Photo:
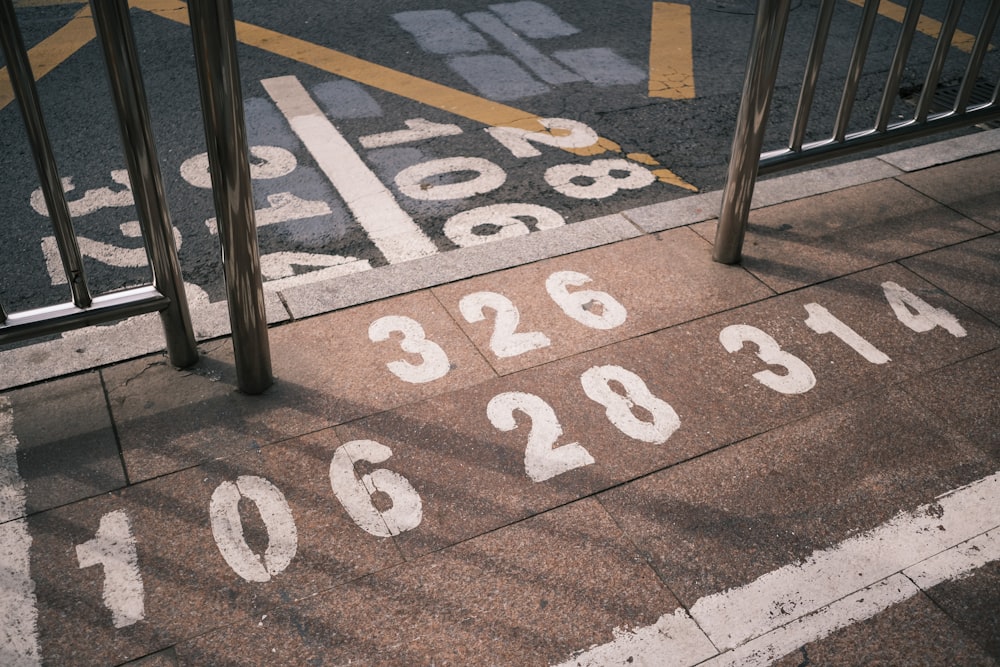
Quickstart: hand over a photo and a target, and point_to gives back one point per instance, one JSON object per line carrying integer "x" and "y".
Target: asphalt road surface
{"x": 411, "y": 154}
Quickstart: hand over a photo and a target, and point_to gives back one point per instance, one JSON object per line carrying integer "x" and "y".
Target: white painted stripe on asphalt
{"x": 18, "y": 608}
{"x": 673, "y": 641}
{"x": 854, "y": 608}
{"x": 956, "y": 561}
{"x": 854, "y": 580}
{"x": 390, "y": 228}
{"x": 733, "y": 617}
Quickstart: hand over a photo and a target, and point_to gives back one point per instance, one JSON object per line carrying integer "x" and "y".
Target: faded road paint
{"x": 671, "y": 62}
{"x": 427, "y": 92}
{"x": 391, "y": 229}
{"x": 792, "y": 606}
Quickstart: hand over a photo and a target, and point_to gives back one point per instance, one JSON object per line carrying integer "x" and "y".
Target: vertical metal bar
{"x": 214, "y": 34}
{"x": 811, "y": 76}
{"x": 114, "y": 31}
{"x": 976, "y": 57}
{"x": 23, "y": 81}
{"x": 751, "y": 122}
{"x": 937, "y": 60}
{"x": 906, "y": 32}
{"x": 857, "y": 65}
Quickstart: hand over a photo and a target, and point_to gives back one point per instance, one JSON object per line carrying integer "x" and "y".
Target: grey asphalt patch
{"x": 534, "y": 20}
{"x": 497, "y": 77}
{"x": 441, "y": 31}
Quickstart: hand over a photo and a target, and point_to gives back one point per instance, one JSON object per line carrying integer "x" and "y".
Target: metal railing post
{"x": 214, "y": 34}
{"x": 23, "y": 82}
{"x": 751, "y": 121}
{"x": 114, "y": 31}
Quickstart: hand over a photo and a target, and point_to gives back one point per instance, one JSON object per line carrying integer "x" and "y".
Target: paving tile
{"x": 336, "y": 358}
{"x": 969, "y": 271}
{"x": 667, "y": 397}
{"x": 188, "y": 586}
{"x": 966, "y": 395}
{"x": 66, "y": 447}
{"x": 169, "y": 419}
{"x": 971, "y": 187}
{"x": 473, "y": 477}
{"x": 717, "y": 394}
{"x": 730, "y": 517}
{"x": 810, "y": 240}
{"x": 659, "y": 280}
{"x": 532, "y": 594}
{"x": 326, "y": 369}
{"x": 914, "y": 632}
{"x": 972, "y": 603}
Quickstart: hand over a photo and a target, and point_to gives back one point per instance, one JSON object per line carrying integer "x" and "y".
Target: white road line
{"x": 772, "y": 616}
{"x": 18, "y": 607}
{"x": 391, "y": 229}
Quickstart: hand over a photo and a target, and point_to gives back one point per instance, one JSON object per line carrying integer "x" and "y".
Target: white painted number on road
{"x": 619, "y": 409}
{"x": 821, "y": 321}
{"x": 917, "y": 314}
{"x": 506, "y": 341}
{"x": 597, "y": 310}
{"x": 113, "y": 548}
{"x": 542, "y": 459}
{"x": 227, "y": 528}
{"x": 268, "y": 162}
{"x": 92, "y": 200}
{"x": 497, "y": 222}
{"x": 434, "y": 362}
{"x": 357, "y": 495}
{"x": 798, "y": 378}
{"x": 598, "y": 180}
{"x": 414, "y": 181}
{"x": 563, "y": 133}
{"x": 418, "y": 129}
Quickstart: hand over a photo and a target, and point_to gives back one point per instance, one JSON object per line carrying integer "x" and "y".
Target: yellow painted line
{"x": 47, "y": 3}
{"x": 671, "y": 63}
{"x": 52, "y": 51}
{"x": 962, "y": 41}
{"x": 377, "y": 76}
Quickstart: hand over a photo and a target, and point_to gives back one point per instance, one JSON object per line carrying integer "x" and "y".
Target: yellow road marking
{"x": 47, "y": 3}
{"x": 671, "y": 63}
{"x": 377, "y": 76}
{"x": 59, "y": 46}
{"x": 962, "y": 41}
{"x": 53, "y": 50}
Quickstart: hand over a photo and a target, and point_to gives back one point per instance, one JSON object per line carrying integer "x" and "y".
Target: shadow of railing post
{"x": 214, "y": 34}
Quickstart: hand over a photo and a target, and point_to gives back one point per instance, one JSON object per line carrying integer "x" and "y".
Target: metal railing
{"x": 746, "y": 160}
{"x": 222, "y": 106}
